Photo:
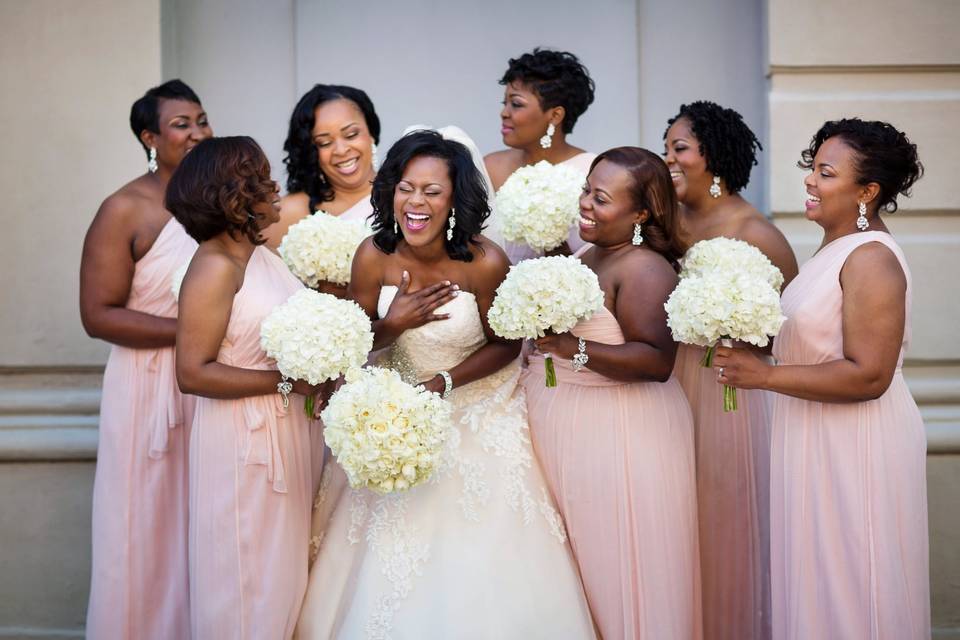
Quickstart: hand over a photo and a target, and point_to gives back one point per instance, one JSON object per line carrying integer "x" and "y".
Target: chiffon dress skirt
{"x": 139, "y": 584}
{"x": 848, "y": 483}
{"x": 733, "y": 489}
{"x": 250, "y": 485}
{"x": 619, "y": 460}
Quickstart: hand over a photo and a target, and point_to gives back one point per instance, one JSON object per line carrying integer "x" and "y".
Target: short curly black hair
{"x": 216, "y": 187}
{"x": 303, "y": 167}
{"x": 884, "y": 155}
{"x": 145, "y": 112}
{"x": 469, "y": 191}
{"x": 726, "y": 142}
{"x": 558, "y": 78}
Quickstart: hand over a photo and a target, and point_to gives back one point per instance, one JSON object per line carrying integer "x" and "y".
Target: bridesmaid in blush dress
{"x": 545, "y": 93}
{"x": 848, "y": 483}
{"x": 138, "y": 582}
{"x": 615, "y": 437}
{"x": 710, "y": 151}
{"x": 250, "y": 475}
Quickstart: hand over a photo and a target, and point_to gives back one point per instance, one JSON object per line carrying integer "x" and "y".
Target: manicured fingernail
{"x": 446, "y": 282}
{"x": 456, "y": 287}
{"x": 455, "y": 294}
{"x": 405, "y": 274}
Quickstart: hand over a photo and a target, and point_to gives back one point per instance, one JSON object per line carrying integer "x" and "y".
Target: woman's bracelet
{"x": 447, "y": 383}
{"x": 284, "y": 388}
{"x": 580, "y": 358}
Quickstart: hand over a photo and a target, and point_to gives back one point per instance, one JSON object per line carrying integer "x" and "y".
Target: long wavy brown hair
{"x": 652, "y": 190}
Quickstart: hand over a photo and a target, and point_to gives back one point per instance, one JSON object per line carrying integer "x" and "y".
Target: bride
{"x": 479, "y": 551}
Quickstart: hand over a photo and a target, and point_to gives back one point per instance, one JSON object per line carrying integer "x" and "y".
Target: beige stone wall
{"x": 899, "y": 62}
{"x": 68, "y": 74}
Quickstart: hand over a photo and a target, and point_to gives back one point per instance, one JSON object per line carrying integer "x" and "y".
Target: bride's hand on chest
{"x": 409, "y": 310}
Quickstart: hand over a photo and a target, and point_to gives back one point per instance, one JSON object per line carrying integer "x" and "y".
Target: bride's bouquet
{"x": 316, "y": 337}
{"x": 538, "y": 204}
{"x": 728, "y": 291}
{"x": 544, "y": 294}
{"x": 386, "y": 434}
{"x": 321, "y": 247}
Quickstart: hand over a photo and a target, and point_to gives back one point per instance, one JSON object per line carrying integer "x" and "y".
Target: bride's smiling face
{"x": 422, "y": 200}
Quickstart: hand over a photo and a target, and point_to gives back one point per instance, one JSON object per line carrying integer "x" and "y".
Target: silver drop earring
{"x": 862, "y": 222}
{"x": 547, "y": 140}
{"x": 715, "y": 187}
{"x": 152, "y": 163}
{"x": 637, "y": 235}
{"x": 396, "y": 228}
{"x": 374, "y": 160}
{"x": 453, "y": 223}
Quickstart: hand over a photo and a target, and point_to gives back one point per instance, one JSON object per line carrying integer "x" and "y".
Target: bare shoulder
{"x": 876, "y": 262}
{"x": 489, "y": 255}
{"x": 500, "y": 164}
{"x": 757, "y": 230}
{"x": 647, "y": 267}
{"x": 212, "y": 271}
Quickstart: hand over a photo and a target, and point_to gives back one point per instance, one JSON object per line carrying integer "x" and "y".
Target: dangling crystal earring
{"x": 374, "y": 160}
{"x": 547, "y": 140}
{"x": 637, "y": 235}
{"x": 715, "y": 187}
{"x": 453, "y": 223}
{"x": 396, "y": 227}
{"x": 862, "y": 222}
{"x": 152, "y": 164}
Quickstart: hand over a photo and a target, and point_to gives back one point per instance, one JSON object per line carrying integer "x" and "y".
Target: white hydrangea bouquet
{"x": 728, "y": 291}
{"x": 538, "y": 204}
{"x": 317, "y": 337}
{"x": 386, "y": 434}
{"x": 320, "y": 248}
{"x": 544, "y": 294}
{"x": 176, "y": 280}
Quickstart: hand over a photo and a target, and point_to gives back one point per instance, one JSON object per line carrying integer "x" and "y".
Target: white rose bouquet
{"x": 728, "y": 291}
{"x": 544, "y": 294}
{"x": 316, "y": 337}
{"x": 321, "y": 247}
{"x": 538, "y": 204}
{"x": 386, "y": 434}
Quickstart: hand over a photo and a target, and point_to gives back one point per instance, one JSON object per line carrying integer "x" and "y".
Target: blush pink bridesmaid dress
{"x": 250, "y": 485}
{"x": 139, "y": 585}
{"x": 619, "y": 460}
{"x": 733, "y": 487}
{"x": 848, "y": 482}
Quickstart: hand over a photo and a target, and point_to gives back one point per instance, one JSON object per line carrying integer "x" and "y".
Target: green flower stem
{"x": 707, "y": 360}
{"x": 550, "y": 371}
{"x": 729, "y": 399}
{"x": 308, "y": 406}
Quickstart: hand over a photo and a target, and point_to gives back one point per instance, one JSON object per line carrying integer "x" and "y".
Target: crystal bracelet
{"x": 447, "y": 383}
{"x": 580, "y": 358}
{"x": 284, "y": 387}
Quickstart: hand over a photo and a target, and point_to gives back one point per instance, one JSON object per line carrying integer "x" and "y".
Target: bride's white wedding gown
{"x": 479, "y": 551}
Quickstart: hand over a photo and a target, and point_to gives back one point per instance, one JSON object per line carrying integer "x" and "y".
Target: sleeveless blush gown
{"x": 848, "y": 482}
{"x": 139, "y": 585}
{"x": 619, "y": 460}
{"x": 478, "y": 551}
{"x": 733, "y": 489}
{"x": 250, "y": 485}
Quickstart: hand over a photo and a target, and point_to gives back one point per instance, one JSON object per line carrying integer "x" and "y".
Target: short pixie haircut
{"x": 469, "y": 191}
{"x": 651, "y": 189}
{"x": 303, "y": 167}
{"x": 558, "y": 78}
{"x": 145, "y": 112}
{"x": 216, "y": 187}
{"x": 884, "y": 155}
{"x": 726, "y": 142}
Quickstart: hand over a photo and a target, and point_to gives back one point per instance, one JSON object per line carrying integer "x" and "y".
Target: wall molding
{"x": 840, "y": 69}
